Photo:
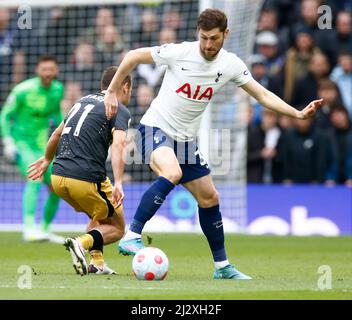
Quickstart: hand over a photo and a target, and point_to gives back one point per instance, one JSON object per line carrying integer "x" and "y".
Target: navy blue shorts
{"x": 192, "y": 163}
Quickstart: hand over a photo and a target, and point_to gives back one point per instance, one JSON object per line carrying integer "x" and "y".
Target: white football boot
{"x": 94, "y": 269}
{"x": 78, "y": 256}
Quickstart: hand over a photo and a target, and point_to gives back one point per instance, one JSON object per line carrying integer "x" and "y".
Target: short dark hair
{"x": 107, "y": 76}
{"x": 338, "y": 107}
{"x": 326, "y": 84}
{"x": 212, "y": 18}
{"x": 47, "y": 57}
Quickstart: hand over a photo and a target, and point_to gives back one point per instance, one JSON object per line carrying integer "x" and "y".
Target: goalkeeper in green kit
{"x": 32, "y": 106}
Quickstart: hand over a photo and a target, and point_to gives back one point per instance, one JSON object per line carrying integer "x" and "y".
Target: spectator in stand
{"x": 261, "y": 148}
{"x": 109, "y": 46}
{"x": 260, "y": 74}
{"x": 151, "y": 73}
{"x": 255, "y": 144}
{"x": 172, "y": 19}
{"x": 267, "y": 45}
{"x": 73, "y": 93}
{"x": 167, "y": 35}
{"x": 285, "y": 122}
{"x": 139, "y": 171}
{"x": 328, "y": 91}
{"x": 268, "y": 21}
{"x": 305, "y": 153}
{"x": 297, "y": 60}
{"x": 306, "y": 88}
{"x": 341, "y": 135}
{"x": 269, "y": 153}
{"x": 289, "y": 11}
{"x": 342, "y": 76}
{"x": 103, "y": 18}
{"x": 144, "y": 97}
{"x": 342, "y": 34}
{"x": 6, "y": 54}
{"x": 83, "y": 68}
{"x": 147, "y": 34}
{"x": 323, "y": 38}
{"x": 61, "y": 30}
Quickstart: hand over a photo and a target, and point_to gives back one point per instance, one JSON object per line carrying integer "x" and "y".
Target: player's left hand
{"x": 310, "y": 110}
{"x": 117, "y": 194}
{"x": 37, "y": 169}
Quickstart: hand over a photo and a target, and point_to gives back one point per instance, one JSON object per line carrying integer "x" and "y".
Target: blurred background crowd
{"x": 292, "y": 57}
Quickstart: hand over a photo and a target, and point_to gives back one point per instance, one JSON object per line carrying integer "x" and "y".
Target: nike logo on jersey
{"x": 184, "y": 69}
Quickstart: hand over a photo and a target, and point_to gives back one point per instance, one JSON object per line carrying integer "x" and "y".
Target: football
{"x": 150, "y": 264}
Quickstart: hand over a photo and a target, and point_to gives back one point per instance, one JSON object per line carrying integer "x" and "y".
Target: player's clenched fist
{"x": 111, "y": 104}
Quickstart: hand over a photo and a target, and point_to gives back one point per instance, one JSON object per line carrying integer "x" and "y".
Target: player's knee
{"x": 116, "y": 234}
{"x": 209, "y": 200}
{"x": 174, "y": 176}
{"x": 120, "y": 226}
{"x": 120, "y": 231}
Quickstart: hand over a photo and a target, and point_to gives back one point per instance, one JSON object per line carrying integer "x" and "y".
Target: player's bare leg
{"x": 165, "y": 164}
{"x": 210, "y": 219}
{"x": 99, "y": 233}
{"x": 112, "y": 230}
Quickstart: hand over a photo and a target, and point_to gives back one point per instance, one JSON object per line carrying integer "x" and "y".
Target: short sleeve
{"x": 122, "y": 120}
{"x": 165, "y": 54}
{"x": 241, "y": 74}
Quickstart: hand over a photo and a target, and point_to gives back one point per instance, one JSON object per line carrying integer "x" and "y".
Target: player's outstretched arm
{"x": 273, "y": 102}
{"x": 38, "y": 168}
{"x": 132, "y": 58}
{"x": 118, "y": 164}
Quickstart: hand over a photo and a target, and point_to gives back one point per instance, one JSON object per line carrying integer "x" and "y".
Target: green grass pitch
{"x": 281, "y": 267}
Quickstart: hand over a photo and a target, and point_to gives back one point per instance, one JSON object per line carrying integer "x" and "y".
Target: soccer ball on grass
{"x": 150, "y": 264}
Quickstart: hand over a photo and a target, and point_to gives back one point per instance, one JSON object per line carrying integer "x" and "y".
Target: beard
{"x": 211, "y": 54}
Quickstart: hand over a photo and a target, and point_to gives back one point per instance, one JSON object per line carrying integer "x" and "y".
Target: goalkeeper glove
{"x": 10, "y": 149}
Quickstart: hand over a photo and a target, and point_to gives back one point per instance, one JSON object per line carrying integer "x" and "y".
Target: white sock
{"x": 221, "y": 264}
{"x": 131, "y": 235}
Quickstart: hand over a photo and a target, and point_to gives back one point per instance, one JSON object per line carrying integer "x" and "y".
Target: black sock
{"x": 98, "y": 242}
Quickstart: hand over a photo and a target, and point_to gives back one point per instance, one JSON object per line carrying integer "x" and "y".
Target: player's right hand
{"x": 10, "y": 150}
{"x": 117, "y": 194}
{"x": 37, "y": 169}
{"x": 111, "y": 104}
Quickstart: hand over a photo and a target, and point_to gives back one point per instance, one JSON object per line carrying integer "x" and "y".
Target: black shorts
{"x": 191, "y": 161}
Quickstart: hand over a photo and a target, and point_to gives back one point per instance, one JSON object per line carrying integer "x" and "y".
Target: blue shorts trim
{"x": 191, "y": 161}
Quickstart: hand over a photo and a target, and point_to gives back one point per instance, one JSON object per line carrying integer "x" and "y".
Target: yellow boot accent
{"x": 97, "y": 258}
{"x": 86, "y": 241}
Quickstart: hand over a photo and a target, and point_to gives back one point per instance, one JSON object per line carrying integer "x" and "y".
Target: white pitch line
{"x": 90, "y": 287}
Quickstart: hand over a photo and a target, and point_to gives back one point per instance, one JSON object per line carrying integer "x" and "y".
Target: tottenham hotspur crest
{"x": 217, "y": 78}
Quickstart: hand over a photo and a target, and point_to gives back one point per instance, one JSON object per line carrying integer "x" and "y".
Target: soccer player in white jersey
{"x": 195, "y": 72}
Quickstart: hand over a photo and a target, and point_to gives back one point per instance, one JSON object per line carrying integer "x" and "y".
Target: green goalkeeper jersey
{"x": 29, "y": 111}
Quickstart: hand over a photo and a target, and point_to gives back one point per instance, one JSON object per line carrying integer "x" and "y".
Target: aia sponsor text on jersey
{"x": 198, "y": 94}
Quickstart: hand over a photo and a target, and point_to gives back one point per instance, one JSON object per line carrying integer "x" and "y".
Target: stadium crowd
{"x": 292, "y": 57}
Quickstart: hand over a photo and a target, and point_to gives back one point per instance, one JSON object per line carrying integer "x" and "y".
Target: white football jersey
{"x": 189, "y": 84}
